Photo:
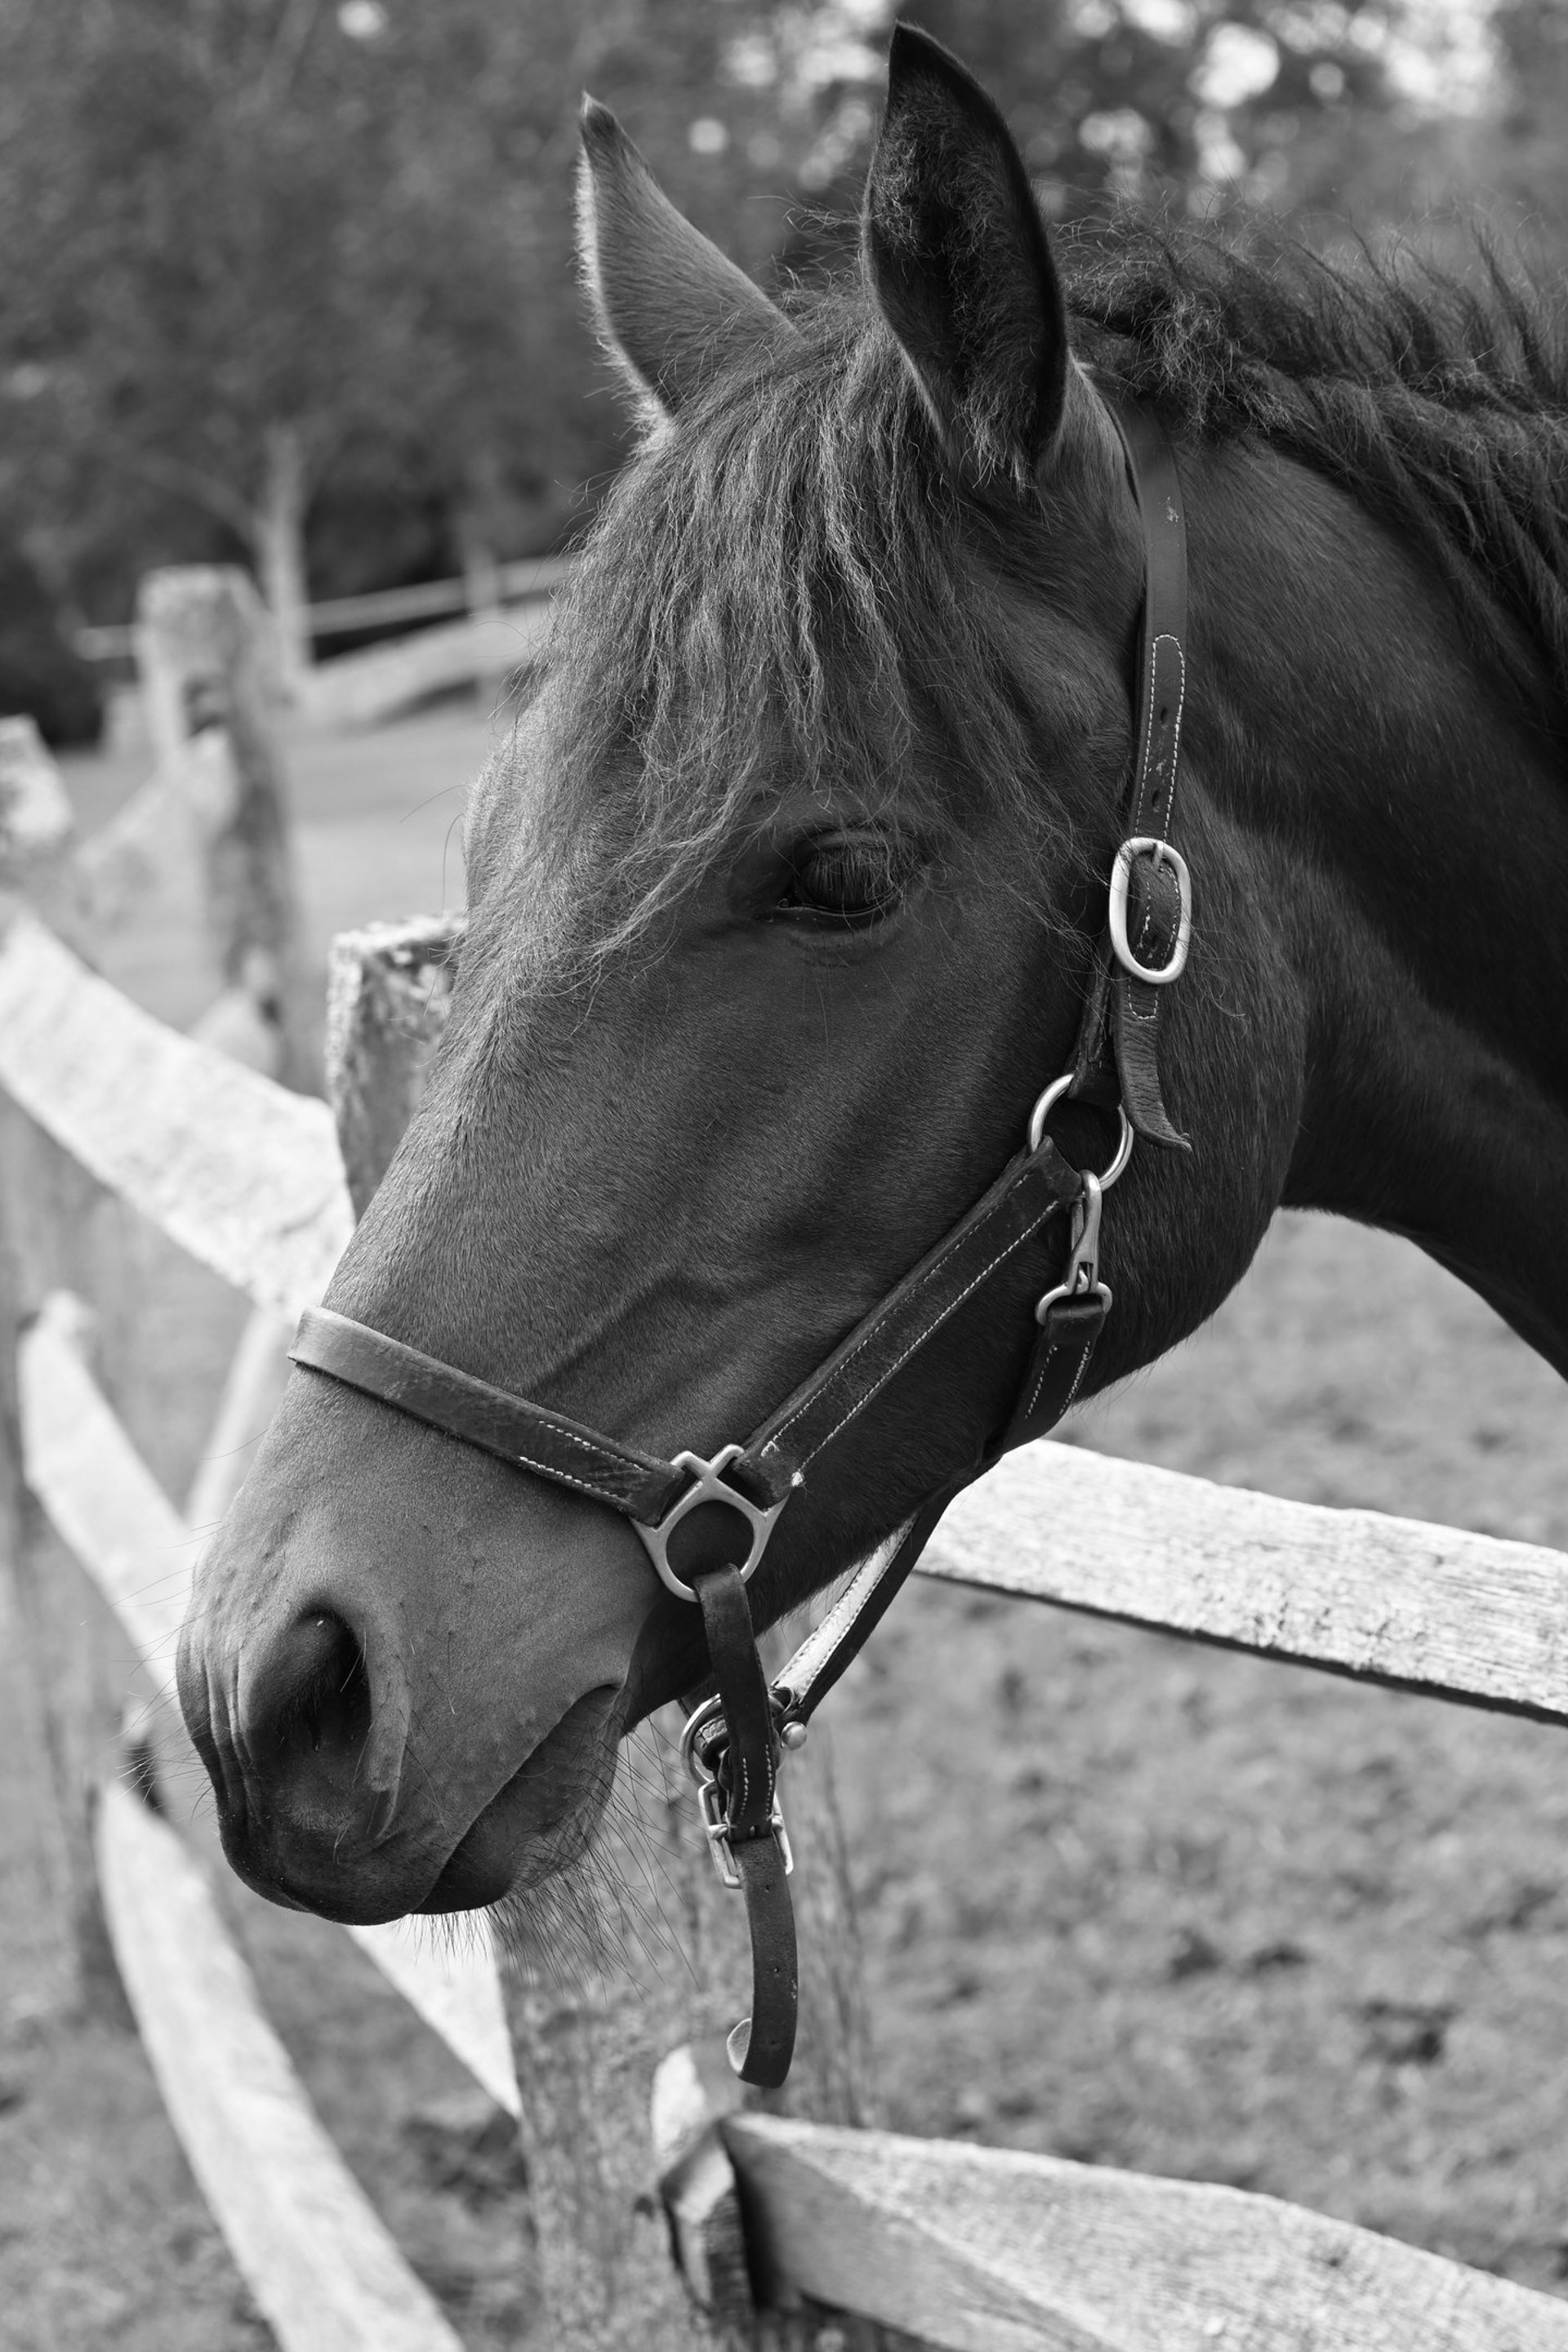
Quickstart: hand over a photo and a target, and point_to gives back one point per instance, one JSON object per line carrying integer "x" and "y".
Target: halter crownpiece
{"x": 707, "y": 1523}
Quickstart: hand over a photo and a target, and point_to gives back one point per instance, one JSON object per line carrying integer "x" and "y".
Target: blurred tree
{"x": 1523, "y": 152}
{"x": 1293, "y": 104}
{"x": 266, "y": 255}
{"x": 273, "y": 263}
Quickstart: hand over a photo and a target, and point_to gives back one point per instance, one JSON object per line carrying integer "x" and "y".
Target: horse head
{"x": 785, "y": 895}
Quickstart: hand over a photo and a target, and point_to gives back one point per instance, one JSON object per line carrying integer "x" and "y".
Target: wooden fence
{"x": 470, "y": 640}
{"x": 634, "y": 2136}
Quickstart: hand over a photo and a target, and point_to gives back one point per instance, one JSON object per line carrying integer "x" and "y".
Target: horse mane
{"x": 1438, "y": 401}
{"x": 784, "y": 584}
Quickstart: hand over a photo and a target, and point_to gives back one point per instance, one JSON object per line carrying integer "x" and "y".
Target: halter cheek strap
{"x": 1150, "y": 911}
{"x": 706, "y": 1523}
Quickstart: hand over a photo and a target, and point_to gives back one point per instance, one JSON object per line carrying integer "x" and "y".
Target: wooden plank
{"x": 697, "y": 2181}
{"x": 1385, "y": 1600}
{"x": 985, "y": 2250}
{"x": 533, "y": 576}
{"x": 362, "y": 689}
{"x": 327, "y": 2276}
{"x": 115, "y": 1518}
{"x": 101, "y": 1498}
{"x": 242, "y": 1174}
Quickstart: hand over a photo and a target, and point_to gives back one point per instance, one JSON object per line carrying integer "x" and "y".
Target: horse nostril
{"x": 319, "y": 1691}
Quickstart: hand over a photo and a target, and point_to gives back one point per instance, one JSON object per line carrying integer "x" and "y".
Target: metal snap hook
{"x": 1080, "y": 1276}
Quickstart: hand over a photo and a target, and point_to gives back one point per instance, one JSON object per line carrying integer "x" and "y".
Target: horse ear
{"x": 956, "y": 257}
{"x": 669, "y": 308}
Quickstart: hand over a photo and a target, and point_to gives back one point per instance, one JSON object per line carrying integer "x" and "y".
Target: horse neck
{"x": 1414, "y": 829}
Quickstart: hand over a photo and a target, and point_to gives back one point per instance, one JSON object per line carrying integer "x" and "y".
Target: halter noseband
{"x": 706, "y": 1524}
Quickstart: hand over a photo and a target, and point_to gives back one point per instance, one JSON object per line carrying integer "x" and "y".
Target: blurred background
{"x": 288, "y": 282}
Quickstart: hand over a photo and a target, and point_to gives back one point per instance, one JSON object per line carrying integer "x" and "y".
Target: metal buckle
{"x": 1120, "y": 882}
{"x": 707, "y": 1486}
{"x": 704, "y": 1767}
{"x": 1080, "y": 1275}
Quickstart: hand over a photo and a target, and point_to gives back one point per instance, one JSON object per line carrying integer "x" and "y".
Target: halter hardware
{"x": 709, "y": 1486}
{"x": 704, "y": 1751}
{"x": 1144, "y": 845}
{"x": 1048, "y": 1102}
{"x": 1080, "y": 1276}
{"x": 732, "y": 1741}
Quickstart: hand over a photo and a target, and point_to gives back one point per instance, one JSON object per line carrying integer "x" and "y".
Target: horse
{"x": 787, "y": 896}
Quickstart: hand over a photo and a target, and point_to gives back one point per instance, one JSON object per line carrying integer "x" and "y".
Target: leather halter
{"x": 706, "y": 1524}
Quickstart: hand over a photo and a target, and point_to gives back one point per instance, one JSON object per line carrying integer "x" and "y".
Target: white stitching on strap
{"x": 548, "y": 1470}
{"x": 1164, "y": 638}
{"x": 776, "y": 1440}
{"x": 950, "y": 1308}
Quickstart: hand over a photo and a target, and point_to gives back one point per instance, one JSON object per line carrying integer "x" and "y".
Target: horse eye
{"x": 847, "y": 880}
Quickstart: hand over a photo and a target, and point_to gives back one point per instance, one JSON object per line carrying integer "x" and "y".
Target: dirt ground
{"x": 1124, "y": 1899}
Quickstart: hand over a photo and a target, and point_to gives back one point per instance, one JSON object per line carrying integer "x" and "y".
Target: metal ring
{"x": 1047, "y": 1103}
{"x": 707, "y": 1486}
{"x": 1121, "y": 883}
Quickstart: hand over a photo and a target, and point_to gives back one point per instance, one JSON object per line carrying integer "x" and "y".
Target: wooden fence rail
{"x": 243, "y": 1175}
{"x": 986, "y": 2249}
{"x": 311, "y": 2248}
{"x": 425, "y": 600}
{"x": 1380, "y": 1598}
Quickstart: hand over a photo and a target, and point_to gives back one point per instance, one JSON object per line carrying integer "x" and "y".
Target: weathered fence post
{"x": 207, "y": 653}
{"x": 671, "y": 1968}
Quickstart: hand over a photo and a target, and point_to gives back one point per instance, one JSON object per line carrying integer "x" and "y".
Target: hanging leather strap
{"x": 744, "y": 1760}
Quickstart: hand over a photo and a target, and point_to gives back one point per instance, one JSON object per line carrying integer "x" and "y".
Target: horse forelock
{"x": 781, "y": 591}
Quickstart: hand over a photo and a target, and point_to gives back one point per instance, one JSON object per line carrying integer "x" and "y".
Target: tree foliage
{"x": 246, "y": 235}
